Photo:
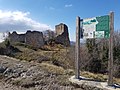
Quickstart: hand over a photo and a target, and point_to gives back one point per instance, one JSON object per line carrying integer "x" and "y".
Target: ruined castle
{"x": 62, "y": 35}
{"x": 32, "y": 38}
{"x": 37, "y": 39}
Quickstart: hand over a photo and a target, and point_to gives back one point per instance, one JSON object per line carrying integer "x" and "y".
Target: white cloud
{"x": 19, "y": 21}
{"x": 1, "y": 37}
{"x": 68, "y": 5}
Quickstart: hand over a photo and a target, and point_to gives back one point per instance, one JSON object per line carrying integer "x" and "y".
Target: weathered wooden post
{"x": 110, "y": 62}
{"x": 77, "y": 49}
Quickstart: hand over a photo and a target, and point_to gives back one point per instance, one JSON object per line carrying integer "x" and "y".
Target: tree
{"x": 98, "y": 50}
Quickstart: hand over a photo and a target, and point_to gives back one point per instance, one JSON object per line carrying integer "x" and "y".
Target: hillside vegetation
{"x": 59, "y": 61}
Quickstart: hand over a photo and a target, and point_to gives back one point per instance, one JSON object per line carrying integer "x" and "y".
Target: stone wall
{"x": 48, "y": 35}
{"x": 62, "y": 35}
{"x": 37, "y": 39}
{"x": 34, "y": 38}
{"x": 31, "y": 38}
{"x": 14, "y": 37}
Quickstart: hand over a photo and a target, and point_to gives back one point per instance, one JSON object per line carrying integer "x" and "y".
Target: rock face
{"x": 62, "y": 35}
{"x": 34, "y": 39}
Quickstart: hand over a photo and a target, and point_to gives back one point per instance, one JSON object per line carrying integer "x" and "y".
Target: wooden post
{"x": 110, "y": 62}
{"x": 77, "y": 49}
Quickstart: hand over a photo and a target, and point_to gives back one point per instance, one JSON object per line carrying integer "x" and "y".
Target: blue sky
{"x": 48, "y": 13}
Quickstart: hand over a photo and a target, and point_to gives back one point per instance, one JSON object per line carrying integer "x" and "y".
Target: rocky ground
{"x": 5, "y": 86}
{"x": 23, "y": 75}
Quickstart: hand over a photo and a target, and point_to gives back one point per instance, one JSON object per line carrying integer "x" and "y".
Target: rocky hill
{"x": 32, "y": 75}
{"x": 47, "y": 68}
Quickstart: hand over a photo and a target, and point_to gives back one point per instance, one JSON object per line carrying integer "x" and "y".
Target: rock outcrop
{"x": 62, "y": 35}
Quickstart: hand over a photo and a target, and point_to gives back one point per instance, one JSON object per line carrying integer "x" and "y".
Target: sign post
{"x": 110, "y": 62}
{"x": 101, "y": 27}
{"x": 96, "y": 27}
{"x": 77, "y": 49}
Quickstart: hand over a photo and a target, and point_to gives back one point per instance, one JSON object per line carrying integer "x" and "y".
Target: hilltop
{"x": 47, "y": 67}
{"x": 36, "y": 69}
{"x": 53, "y": 61}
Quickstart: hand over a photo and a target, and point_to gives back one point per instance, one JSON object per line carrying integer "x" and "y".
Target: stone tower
{"x": 62, "y": 35}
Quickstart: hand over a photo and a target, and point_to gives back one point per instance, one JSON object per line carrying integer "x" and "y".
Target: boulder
{"x": 2, "y": 69}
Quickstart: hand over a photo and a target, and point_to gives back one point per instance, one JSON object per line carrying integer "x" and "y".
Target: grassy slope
{"x": 56, "y": 60}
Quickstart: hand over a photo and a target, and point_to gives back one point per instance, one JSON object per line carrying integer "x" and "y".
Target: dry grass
{"x": 59, "y": 54}
{"x": 52, "y": 68}
{"x": 98, "y": 77}
{"x": 117, "y": 80}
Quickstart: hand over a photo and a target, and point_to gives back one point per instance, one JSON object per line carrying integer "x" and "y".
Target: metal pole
{"x": 110, "y": 62}
{"x": 77, "y": 49}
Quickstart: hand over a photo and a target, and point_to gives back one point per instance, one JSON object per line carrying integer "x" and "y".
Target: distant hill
{"x": 82, "y": 42}
{"x": 72, "y": 43}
